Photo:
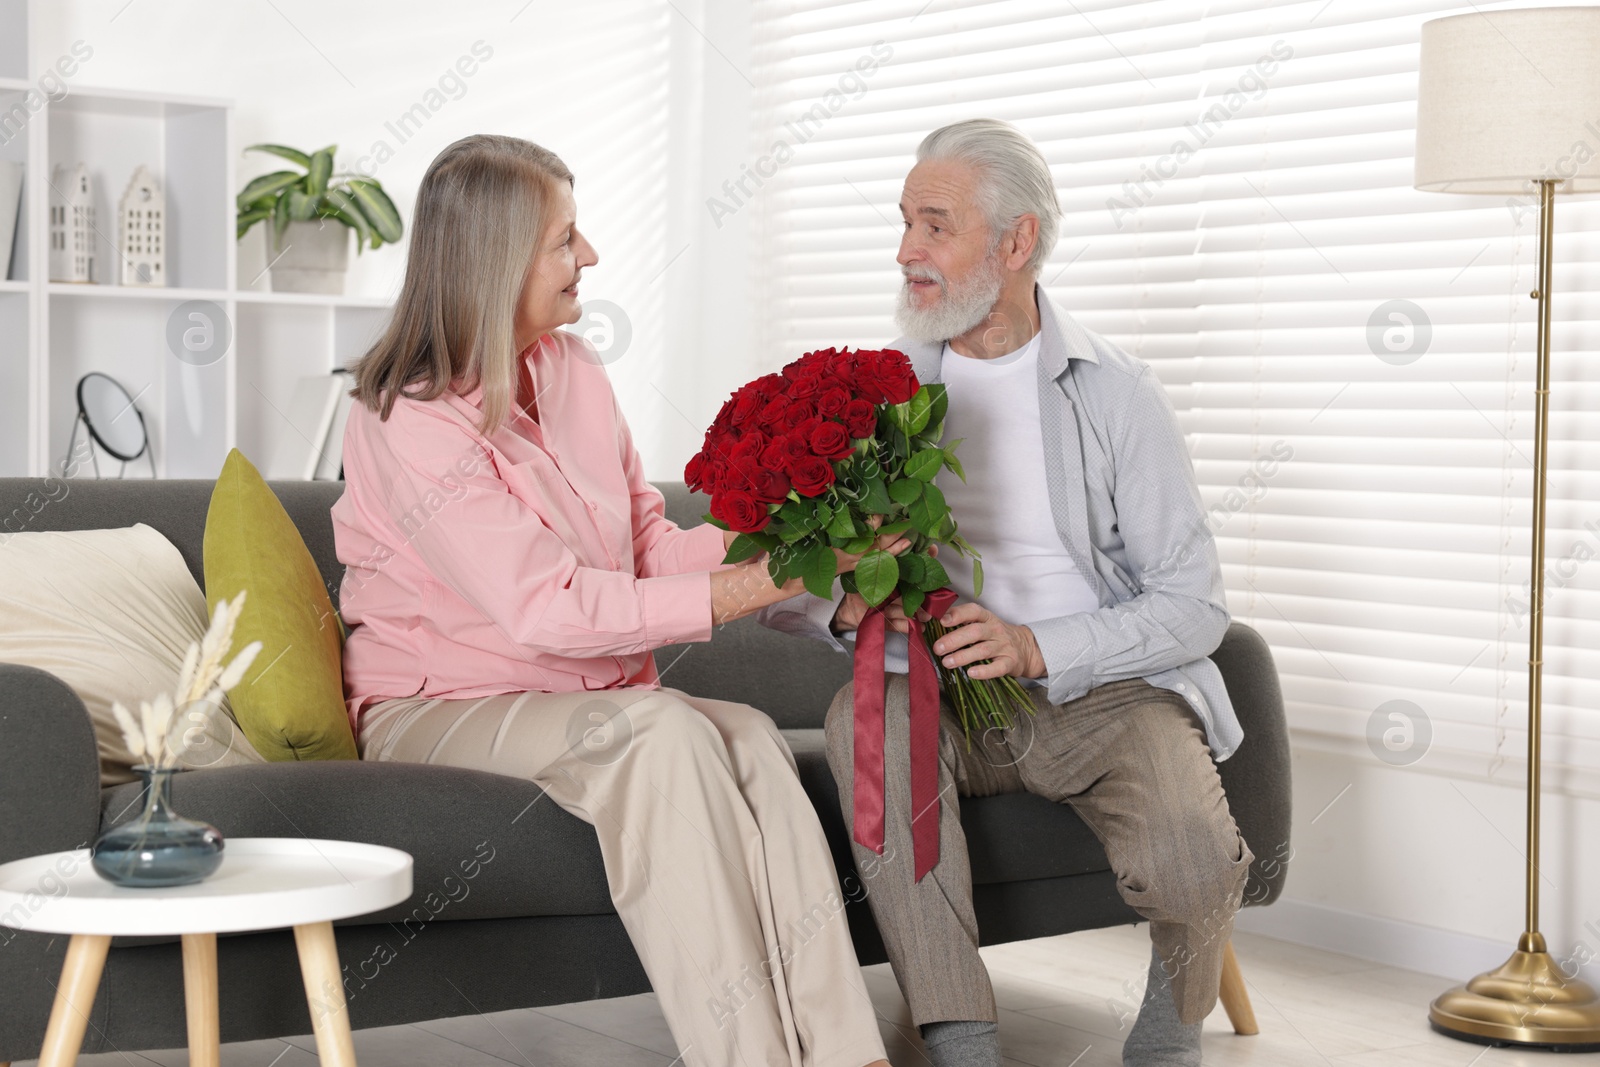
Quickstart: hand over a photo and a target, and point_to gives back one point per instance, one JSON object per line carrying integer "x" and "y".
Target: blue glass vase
{"x": 157, "y": 848}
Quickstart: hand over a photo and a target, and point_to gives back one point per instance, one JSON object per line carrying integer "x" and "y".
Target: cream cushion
{"x": 112, "y": 613}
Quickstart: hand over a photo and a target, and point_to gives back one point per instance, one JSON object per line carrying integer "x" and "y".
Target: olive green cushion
{"x": 290, "y": 703}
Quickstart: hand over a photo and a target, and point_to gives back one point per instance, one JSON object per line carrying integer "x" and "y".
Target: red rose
{"x": 694, "y": 473}
{"x": 740, "y": 510}
{"x": 771, "y": 486}
{"x": 716, "y": 474}
{"x": 775, "y": 457}
{"x": 746, "y": 402}
{"x": 831, "y": 440}
{"x": 797, "y": 446}
{"x": 805, "y": 386}
{"x": 797, "y": 413}
{"x": 749, "y": 447}
{"x": 771, "y": 415}
{"x": 832, "y": 400}
{"x": 861, "y": 418}
{"x": 811, "y": 475}
{"x": 768, "y": 386}
{"x": 885, "y": 377}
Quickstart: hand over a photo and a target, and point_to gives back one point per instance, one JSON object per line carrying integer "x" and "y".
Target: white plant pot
{"x": 311, "y": 257}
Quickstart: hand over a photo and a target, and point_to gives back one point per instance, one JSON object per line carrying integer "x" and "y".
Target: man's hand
{"x": 976, "y": 633}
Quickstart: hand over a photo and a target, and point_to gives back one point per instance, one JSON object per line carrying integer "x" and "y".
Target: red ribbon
{"x": 869, "y": 723}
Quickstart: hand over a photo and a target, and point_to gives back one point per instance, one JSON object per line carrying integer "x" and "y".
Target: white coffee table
{"x": 264, "y": 883}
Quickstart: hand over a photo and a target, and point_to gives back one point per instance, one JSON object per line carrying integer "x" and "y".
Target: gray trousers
{"x": 1131, "y": 759}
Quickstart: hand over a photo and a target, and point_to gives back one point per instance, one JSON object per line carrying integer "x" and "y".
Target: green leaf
{"x": 249, "y": 218}
{"x": 920, "y": 408}
{"x": 939, "y": 398}
{"x": 906, "y": 491}
{"x": 265, "y": 185}
{"x": 820, "y": 568}
{"x": 293, "y": 155}
{"x": 913, "y": 569}
{"x": 951, "y": 461}
{"x": 319, "y": 169}
{"x": 345, "y": 210}
{"x": 713, "y": 520}
{"x": 280, "y": 219}
{"x": 876, "y": 500}
{"x": 802, "y": 515}
{"x": 743, "y": 547}
{"x": 842, "y": 525}
{"x": 899, "y": 526}
{"x": 930, "y": 512}
{"x": 977, "y": 577}
{"x": 377, "y": 207}
{"x": 876, "y": 576}
{"x": 925, "y": 464}
{"x": 784, "y": 563}
{"x": 302, "y": 208}
{"x": 847, "y": 582}
{"x": 911, "y": 600}
{"x": 857, "y": 545}
{"x": 933, "y": 576}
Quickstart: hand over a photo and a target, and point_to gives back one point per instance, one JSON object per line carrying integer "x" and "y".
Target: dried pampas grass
{"x": 203, "y": 679}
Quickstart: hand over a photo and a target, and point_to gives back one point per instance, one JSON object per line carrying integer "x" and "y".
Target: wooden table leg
{"x": 1235, "y": 998}
{"x": 319, "y": 968}
{"x": 69, "y": 1017}
{"x": 200, "y": 999}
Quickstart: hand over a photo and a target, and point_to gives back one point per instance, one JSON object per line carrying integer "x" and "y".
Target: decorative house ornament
{"x": 71, "y": 224}
{"x": 141, "y": 232}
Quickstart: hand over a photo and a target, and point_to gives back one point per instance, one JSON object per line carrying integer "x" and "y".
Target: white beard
{"x": 959, "y": 308}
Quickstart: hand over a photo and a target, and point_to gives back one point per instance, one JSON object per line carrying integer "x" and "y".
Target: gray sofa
{"x": 535, "y": 926}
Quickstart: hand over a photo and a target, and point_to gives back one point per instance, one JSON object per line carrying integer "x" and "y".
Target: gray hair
{"x": 1013, "y": 178}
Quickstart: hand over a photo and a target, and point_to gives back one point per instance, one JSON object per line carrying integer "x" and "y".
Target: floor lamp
{"x": 1508, "y": 104}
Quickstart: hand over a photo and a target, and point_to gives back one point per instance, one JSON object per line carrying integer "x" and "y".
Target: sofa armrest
{"x": 49, "y": 765}
{"x": 1256, "y": 778}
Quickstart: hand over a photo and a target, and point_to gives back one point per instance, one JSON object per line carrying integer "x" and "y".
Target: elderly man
{"x": 1102, "y": 594}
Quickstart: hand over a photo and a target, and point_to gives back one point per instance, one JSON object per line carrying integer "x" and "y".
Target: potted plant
{"x": 313, "y": 211}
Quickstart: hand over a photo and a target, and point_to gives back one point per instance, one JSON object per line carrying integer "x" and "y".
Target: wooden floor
{"x": 1060, "y": 1000}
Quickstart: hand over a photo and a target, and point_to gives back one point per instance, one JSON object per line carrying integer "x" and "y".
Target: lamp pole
{"x": 1530, "y": 999}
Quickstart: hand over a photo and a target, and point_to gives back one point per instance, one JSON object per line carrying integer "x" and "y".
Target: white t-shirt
{"x": 1003, "y": 508}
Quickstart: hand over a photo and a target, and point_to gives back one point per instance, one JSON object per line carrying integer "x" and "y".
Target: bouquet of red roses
{"x": 799, "y": 464}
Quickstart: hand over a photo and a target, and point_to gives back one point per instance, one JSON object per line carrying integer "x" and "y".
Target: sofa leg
{"x": 1235, "y": 999}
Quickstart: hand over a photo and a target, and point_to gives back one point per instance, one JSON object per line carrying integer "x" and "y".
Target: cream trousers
{"x": 714, "y": 856}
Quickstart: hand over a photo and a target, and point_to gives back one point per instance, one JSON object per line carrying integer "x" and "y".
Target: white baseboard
{"x": 1411, "y": 946}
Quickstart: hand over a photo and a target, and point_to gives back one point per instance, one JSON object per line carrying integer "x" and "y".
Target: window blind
{"x": 1351, "y": 360}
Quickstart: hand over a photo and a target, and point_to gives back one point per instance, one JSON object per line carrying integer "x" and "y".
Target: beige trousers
{"x": 1130, "y": 758}
{"x": 714, "y": 856}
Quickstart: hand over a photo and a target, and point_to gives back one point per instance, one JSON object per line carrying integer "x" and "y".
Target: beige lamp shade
{"x": 1509, "y": 97}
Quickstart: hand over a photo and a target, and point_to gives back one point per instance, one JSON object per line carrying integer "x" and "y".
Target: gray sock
{"x": 962, "y": 1043}
{"x": 1158, "y": 1038}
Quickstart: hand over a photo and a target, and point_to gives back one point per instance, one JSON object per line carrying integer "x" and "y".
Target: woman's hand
{"x": 854, "y": 608}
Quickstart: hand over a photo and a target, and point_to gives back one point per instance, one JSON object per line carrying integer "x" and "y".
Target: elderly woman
{"x": 508, "y": 572}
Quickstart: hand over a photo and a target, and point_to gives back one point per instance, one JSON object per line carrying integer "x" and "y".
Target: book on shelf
{"x": 309, "y": 447}
{"x": 330, "y": 466}
{"x": 10, "y": 211}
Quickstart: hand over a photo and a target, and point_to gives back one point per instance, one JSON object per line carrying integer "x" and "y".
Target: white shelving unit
{"x": 52, "y": 333}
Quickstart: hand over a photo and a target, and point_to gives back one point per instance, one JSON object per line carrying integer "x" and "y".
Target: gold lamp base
{"x": 1525, "y": 1001}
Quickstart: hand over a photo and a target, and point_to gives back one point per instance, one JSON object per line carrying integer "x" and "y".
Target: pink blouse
{"x": 537, "y": 558}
